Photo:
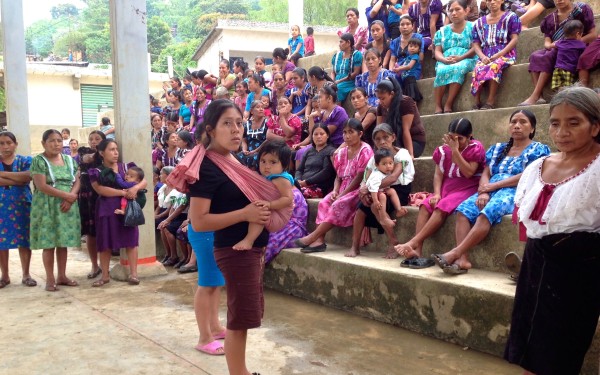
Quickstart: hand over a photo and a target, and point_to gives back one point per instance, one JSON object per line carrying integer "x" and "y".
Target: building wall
{"x": 55, "y": 104}
{"x": 250, "y": 43}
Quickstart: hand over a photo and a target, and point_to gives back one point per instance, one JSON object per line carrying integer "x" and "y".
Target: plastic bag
{"x": 134, "y": 215}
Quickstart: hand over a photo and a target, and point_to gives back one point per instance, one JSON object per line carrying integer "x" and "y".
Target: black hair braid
{"x": 506, "y": 150}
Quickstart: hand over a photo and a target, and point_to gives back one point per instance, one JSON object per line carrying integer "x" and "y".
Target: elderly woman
{"x": 455, "y": 55}
{"x": 495, "y": 40}
{"x": 15, "y": 195}
{"x": 496, "y": 192}
{"x": 558, "y": 204}
{"x": 358, "y": 32}
{"x": 339, "y": 206}
{"x": 542, "y": 62}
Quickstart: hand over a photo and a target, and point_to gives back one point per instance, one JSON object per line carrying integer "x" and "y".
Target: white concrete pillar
{"x": 362, "y": 5}
{"x": 132, "y": 115}
{"x": 296, "y": 14}
{"x": 15, "y": 73}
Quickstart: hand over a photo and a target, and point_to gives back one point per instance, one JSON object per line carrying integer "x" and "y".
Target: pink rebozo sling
{"x": 254, "y": 186}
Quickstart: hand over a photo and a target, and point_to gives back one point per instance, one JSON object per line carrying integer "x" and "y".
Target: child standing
{"x": 384, "y": 162}
{"x": 309, "y": 42}
{"x": 66, "y": 139}
{"x": 569, "y": 49}
{"x": 410, "y": 70}
{"x": 274, "y": 157}
{"x": 107, "y": 128}
{"x": 134, "y": 176}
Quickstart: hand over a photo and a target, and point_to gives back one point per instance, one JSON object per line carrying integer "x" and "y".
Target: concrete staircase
{"x": 471, "y": 310}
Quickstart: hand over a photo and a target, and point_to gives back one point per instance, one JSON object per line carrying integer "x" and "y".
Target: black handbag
{"x": 134, "y": 215}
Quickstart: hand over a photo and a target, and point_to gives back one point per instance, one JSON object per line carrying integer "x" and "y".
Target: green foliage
{"x": 64, "y": 10}
{"x": 207, "y": 22}
{"x": 159, "y": 36}
{"x": 95, "y": 24}
{"x": 332, "y": 13}
{"x": 2, "y": 100}
{"x": 316, "y": 12}
{"x": 182, "y": 57}
{"x": 38, "y": 37}
{"x": 74, "y": 40}
{"x": 269, "y": 11}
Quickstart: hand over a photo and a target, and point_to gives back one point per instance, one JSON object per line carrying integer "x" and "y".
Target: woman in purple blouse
{"x": 428, "y": 14}
{"x": 541, "y": 62}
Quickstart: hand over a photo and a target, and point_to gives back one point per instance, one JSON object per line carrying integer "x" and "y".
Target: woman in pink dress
{"x": 360, "y": 33}
{"x": 459, "y": 164}
{"x": 339, "y": 206}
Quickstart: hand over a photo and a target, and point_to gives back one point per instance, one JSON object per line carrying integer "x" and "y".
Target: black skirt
{"x": 410, "y": 88}
{"x": 403, "y": 192}
{"x": 557, "y": 304}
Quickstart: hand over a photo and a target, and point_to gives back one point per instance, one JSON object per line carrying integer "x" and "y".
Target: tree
{"x": 208, "y": 22}
{"x": 182, "y": 54}
{"x": 38, "y": 37}
{"x": 74, "y": 41}
{"x": 332, "y": 13}
{"x": 95, "y": 25}
{"x": 64, "y": 10}
{"x": 270, "y": 11}
{"x": 159, "y": 36}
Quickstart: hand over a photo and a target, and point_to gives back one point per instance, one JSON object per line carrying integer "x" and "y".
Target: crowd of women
{"x": 217, "y": 131}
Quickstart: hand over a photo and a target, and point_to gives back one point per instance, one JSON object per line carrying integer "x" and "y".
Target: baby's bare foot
{"x": 119, "y": 212}
{"x": 243, "y": 245}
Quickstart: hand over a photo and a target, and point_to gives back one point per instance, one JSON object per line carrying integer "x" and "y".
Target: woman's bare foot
{"x": 406, "y": 250}
{"x": 391, "y": 253}
{"x": 353, "y": 252}
{"x": 401, "y": 212}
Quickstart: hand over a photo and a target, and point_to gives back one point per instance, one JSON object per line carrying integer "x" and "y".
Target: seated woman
{"x": 365, "y": 113}
{"x": 496, "y": 192}
{"x": 455, "y": 55}
{"x": 285, "y": 126}
{"x": 339, "y": 206}
{"x": 400, "y": 180}
{"x": 495, "y": 40}
{"x": 402, "y": 114}
{"x": 280, "y": 58}
{"x": 428, "y": 14}
{"x": 347, "y": 65}
{"x": 542, "y": 62}
{"x": 459, "y": 164}
{"x": 372, "y": 76}
{"x": 316, "y": 174}
{"x": 399, "y": 46}
{"x": 360, "y": 34}
{"x": 380, "y": 43}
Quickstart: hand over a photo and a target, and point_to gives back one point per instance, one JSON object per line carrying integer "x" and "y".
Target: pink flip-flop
{"x": 211, "y": 348}
{"x": 220, "y": 335}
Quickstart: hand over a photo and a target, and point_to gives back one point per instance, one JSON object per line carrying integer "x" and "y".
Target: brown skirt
{"x": 243, "y": 272}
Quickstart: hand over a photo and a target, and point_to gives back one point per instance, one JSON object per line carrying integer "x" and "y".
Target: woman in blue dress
{"x": 15, "y": 205}
{"x": 454, "y": 54}
{"x": 374, "y": 74}
{"x": 347, "y": 65}
{"x": 496, "y": 192}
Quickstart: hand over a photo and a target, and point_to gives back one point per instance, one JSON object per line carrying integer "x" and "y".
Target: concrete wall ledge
{"x": 470, "y": 310}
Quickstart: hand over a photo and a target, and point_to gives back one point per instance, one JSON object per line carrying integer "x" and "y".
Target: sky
{"x": 34, "y": 10}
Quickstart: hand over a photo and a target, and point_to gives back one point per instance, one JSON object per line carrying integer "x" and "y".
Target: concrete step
{"x": 489, "y": 127}
{"x": 488, "y": 256}
{"x": 530, "y": 40}
{"x": 472, "y": 310}
{"x": 516, "y": 86}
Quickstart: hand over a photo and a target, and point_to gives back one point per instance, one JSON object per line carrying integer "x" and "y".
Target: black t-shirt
{"x": 225, "y": 197}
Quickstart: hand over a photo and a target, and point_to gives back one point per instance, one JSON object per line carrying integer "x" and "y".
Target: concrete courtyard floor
{"x": 151, "y": 329}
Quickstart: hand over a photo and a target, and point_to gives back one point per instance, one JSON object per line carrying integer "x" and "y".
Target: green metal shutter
{"x": 95, "y": 99}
